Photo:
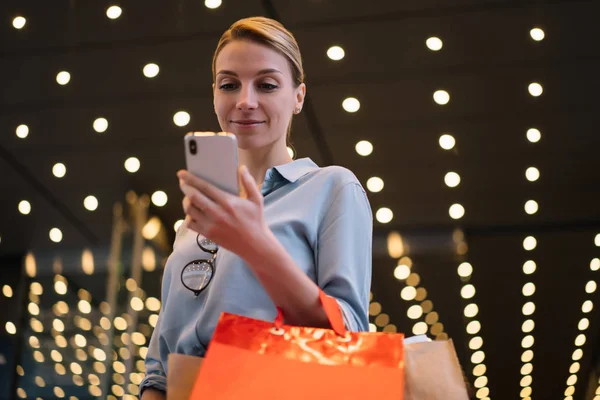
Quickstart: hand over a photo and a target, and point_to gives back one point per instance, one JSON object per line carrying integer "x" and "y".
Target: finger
{"x": 195, "y": 218}
{"x": 219, "y": 196}
{"x": 197, "y": 198}
{"x": 250, "y": 186}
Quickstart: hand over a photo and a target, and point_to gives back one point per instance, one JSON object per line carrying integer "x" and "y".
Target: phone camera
{"x": 193, "y": 148}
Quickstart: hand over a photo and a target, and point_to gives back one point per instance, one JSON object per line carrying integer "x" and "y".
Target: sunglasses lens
{"x": 196, "y": 276}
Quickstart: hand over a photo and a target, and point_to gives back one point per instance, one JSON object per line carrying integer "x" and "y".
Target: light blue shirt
{"x": 323, "y": 219}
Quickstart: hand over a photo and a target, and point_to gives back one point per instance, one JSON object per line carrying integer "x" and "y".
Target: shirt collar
{"x": 296, "y": 169}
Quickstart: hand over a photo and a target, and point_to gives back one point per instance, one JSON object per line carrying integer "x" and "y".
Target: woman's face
{"x": 254, "y": 94}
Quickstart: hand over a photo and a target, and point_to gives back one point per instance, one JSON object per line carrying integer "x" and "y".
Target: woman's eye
{"x": 227, "y": 86}
{"x": 268, "y": 86}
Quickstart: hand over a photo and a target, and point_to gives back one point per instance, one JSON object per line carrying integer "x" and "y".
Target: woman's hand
{"x": 233, "y": 222}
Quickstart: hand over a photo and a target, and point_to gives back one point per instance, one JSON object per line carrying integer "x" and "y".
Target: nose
{"x": 247, "y": 100}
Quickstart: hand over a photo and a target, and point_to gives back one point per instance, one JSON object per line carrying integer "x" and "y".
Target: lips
{"x": 247, "y": 122}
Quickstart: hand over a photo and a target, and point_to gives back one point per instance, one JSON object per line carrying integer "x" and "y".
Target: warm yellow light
{"x": 90, "y": 203}
{"x": 452, "y": 179}
{"x": 441, "y": 97}
{"x": 527, "y": 356}
{"x": 480, "y": 382}
{"x": 414, "y": 312}
{"x": 528, "y": 326}
{"x": 587, "y": 306}
{"x": 375, "y": 184}
{"x": 584, "y": 323}
{"x": 33, "y": 309}
{"x": 527, "y": 341}
{"x": 473, "y": 327}
{"x": 11, "y": 329}
{"x": 465, "y": 270}
{"x": 527, "y": 369}
{"x": 80, "y": 340}
{"x": 384, "y": 215}
{"x": 7, "y": 291}
{"x": 364, "y": 148}
{"x": 402, "y": 272}
{"x": 181, "y": 118}
{"x": 467, "y": 291}
{"x": 152, "y": 320}
{"x": 590, "y": 287}
{"x": 177, "y": 225}
{"x": 120, "y": 323}
{"x": 434, "y": 43}
{"x": 63, "y": 78}
{"x": 535, "y": 89}
{"x": 55, "y": 235}
{"x": 114, "y": 12}
{"x": 447, "y": 142}
{"x": 526, "y": 381}
{"x": 153, "y": 304}
{"x": 471, "y": 310}
{"x": 99, "y": 354}
{"x": 478, "y": 357}
{"x": 479, "y": 370}
{"x": 572, "y": 380}
{"x": 595, "y": 264}
{"x": 528, "y": 289}
{"x": 537, "y": 34}
{"x": 132, "y": 165}
{"x": 85, "y": 307}
{"x": 159, "y": 198}
{"x": 19, "y": 22}
{"x": 534, "y": 135}
{"x": 151, "y": 229}
{"x": 476, "y": 343}
{"x": 420, "y": 328}
{"x": 137, "y": 304}
{"x": 150, "y": 70}
{"x": 408, "y": 293}
{"x": 577, "y": 354}
{"x": 24, "y": 207}
{"x": 212, "y": 4}
{"x": 531, "y": 207}
{"x": 335, "y": 53}
{"x": 532, "y": 174}
{"x": 22, "y": 131}
{"x": 528, "y": 308}
{"x": 580, "y": 340}
{"x": 529, "y": 243}
{"x": 574, "y": 368}
{"x": 100, "y": 125}
{"x": 456, "y": 211}
{"x": 529, "y": 267}
{"x": 351, "y": 104}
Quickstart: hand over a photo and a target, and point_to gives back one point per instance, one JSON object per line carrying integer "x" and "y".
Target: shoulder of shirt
{"x": 337, "y": 175}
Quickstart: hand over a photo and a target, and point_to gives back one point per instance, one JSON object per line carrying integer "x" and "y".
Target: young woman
{"x": 295, "y": 229}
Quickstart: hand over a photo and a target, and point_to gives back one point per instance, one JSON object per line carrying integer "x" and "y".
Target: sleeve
{"x": 344, "y": 254}
{"x": 155, "y": 373}
{"x": 156, "y": 376}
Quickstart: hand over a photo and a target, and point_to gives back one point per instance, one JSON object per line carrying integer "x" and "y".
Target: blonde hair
{"x": 269, "y": 33}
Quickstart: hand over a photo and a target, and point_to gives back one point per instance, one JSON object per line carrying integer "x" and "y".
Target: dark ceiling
{"x": 487, "y": 61}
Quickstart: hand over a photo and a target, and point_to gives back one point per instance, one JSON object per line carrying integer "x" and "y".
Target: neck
{"x": 258, "y": 161}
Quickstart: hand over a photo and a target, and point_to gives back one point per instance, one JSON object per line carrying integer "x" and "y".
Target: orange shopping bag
{"x": 250, "y": 359}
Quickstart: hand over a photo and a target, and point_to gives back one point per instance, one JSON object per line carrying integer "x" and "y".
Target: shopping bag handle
{"x": 332, "y": 310}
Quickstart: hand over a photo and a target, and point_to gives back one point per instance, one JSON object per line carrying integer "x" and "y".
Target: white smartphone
{"x": 213, "y": 157}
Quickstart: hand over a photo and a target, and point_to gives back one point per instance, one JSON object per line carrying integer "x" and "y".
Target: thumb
{"x": 249, "y": 187}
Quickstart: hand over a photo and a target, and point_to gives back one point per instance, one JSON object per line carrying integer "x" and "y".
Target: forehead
{"x": 245, "y": 57}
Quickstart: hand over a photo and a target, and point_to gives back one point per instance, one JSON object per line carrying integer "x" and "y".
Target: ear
{"x": 300, "y": 95}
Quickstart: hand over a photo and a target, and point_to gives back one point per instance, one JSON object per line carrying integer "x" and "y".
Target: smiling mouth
{"x": 247, "y": 123}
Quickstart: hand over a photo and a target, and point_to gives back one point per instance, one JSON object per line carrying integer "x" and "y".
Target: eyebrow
{"x": 261, "y": 72}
